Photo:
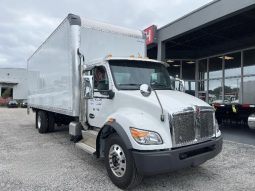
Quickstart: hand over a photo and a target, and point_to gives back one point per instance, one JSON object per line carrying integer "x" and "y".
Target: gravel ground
{"x": 32, "y": 161}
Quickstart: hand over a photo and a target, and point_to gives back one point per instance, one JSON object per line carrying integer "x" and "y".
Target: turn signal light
{"x": 138, "y": 133}
{"x": 145, "y": 137}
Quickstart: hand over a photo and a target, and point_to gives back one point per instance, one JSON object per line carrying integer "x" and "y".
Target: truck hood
{"x": 172, "y": 101}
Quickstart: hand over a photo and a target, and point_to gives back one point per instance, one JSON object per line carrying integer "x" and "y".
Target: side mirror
{"x": 179, "y": 85}
{"x": 111, "y": 94}
{"x": 181, "y": 88}
{"x": 145, "y": 90}
{"x": 88, "y": 87}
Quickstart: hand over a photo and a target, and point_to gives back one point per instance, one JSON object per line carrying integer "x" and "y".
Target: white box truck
{"x": 119, "y": 105}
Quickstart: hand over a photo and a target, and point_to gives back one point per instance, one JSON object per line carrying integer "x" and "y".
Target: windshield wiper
{"x": 129, "y": 84}
{"x": 158, "y": 84}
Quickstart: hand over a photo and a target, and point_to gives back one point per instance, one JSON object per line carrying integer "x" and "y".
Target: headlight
{"x": 145, "y": 137}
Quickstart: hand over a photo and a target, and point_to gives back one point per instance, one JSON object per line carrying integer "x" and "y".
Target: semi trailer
{"x": 237, "y": 111}
{"x": 118, "y": 104}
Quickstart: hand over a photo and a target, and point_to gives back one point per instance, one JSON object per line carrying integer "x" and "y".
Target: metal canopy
{"x": 220, "y": 26}
{"x": 8, "y": 83}
{"x": 232, "y": 33}
{"x": 211, "y": 12}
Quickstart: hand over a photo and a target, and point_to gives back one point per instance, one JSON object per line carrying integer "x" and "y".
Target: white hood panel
{"x": 172, "y": 101}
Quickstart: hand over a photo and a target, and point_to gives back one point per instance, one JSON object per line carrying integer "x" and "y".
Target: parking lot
{"x": 33, "y": 161}
{"x": 239, "y": 134}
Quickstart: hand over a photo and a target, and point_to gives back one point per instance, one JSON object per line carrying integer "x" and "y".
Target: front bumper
{"x": 157, "y": 162}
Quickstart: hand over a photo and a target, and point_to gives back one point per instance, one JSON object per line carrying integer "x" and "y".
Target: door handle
{"x": 91, "y": 115}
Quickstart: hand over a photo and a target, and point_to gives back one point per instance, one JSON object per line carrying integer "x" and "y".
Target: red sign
{"x": 150, "y": 34}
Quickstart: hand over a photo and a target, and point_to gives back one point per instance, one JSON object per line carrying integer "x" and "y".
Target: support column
{"x": 241, "y": 85}
{"x": 161, "y": 55}
{"x": 223, "y": 78}
{"x": 207, "y": 81}
{"x": 196, "y": 78}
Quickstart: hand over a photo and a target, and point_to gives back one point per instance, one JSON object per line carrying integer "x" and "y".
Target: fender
{"x": 109, "y": 128}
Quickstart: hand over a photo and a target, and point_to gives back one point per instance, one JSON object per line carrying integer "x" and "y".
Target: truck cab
{"x": 139, "y": 123}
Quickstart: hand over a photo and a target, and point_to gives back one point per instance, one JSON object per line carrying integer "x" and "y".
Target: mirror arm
{"x": 102, "y": 90}
{"x": 111, "y": 94}
{"x": 103, "y": 97}
{"x": 162, "y": 117}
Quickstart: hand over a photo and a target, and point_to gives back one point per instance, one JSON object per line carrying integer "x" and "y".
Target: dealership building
{"x": 211, "y": 48}
{"x": 13, "y": 83}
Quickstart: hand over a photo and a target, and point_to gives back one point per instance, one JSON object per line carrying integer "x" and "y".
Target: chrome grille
{"x": 206, "y": 124}
{"x": 191, "y": 126}
{"x": 184, "y": 127}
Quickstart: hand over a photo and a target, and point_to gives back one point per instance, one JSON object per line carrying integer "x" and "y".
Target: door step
{"x": 89, "y": 138}
{"x": 85, "y": 147}
{"x": 88, "y": 142}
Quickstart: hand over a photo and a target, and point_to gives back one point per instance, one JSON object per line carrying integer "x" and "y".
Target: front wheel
{"x": 120, "y": 164}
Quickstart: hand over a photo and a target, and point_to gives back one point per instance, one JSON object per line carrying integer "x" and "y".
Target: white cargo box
{"x": 54, "y": 68}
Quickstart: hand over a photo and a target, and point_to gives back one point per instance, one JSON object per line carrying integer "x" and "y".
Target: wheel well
{"x": 105, "y": 132}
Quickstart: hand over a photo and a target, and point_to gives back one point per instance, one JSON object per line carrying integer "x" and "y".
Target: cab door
{"x": 99, "y": 105}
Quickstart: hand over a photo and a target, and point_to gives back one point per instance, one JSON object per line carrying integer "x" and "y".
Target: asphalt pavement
{"x": 33, "y": 161}
{"x": 240, "y": 134}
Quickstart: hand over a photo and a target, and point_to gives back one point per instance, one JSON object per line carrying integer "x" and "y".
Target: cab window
{"x": 101, "y": 81}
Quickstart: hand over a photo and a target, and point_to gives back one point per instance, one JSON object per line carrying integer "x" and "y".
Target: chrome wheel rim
{"x": 39, "y": 122}
{"x": 117, "y": 160}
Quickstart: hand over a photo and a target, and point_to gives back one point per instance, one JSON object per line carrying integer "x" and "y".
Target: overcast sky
{"x": 25, "y": 24}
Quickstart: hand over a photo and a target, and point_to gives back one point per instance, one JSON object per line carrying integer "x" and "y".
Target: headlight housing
{"x": 144, "y": 137}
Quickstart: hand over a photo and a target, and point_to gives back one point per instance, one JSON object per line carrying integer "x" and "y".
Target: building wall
{"x": 15, "y": 78}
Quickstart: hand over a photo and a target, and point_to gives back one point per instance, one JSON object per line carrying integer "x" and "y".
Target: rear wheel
{"x": 51, "y": 122}
{"x": 42, "y": 122}
{"x": 120, "y": 164}
{"x": 36, "y": 117}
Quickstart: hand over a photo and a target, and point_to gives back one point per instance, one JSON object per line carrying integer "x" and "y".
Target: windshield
{"x": 129, "y": 75}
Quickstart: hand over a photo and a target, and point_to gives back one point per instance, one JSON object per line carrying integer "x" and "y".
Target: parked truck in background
{"x": 119, "y": 105}
{"x": 239, "y": 112}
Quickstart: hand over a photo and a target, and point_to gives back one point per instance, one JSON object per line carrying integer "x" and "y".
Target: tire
{"x": 51, "y": 122}
{"x": 42, "y": 122}
{"x": 126, "y": 175}
{"x": 36, "y": 116}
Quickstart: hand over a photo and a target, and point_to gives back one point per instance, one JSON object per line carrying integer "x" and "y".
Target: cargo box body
{"x": 54, "y": 68}
{"x": 50, "y": 71}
